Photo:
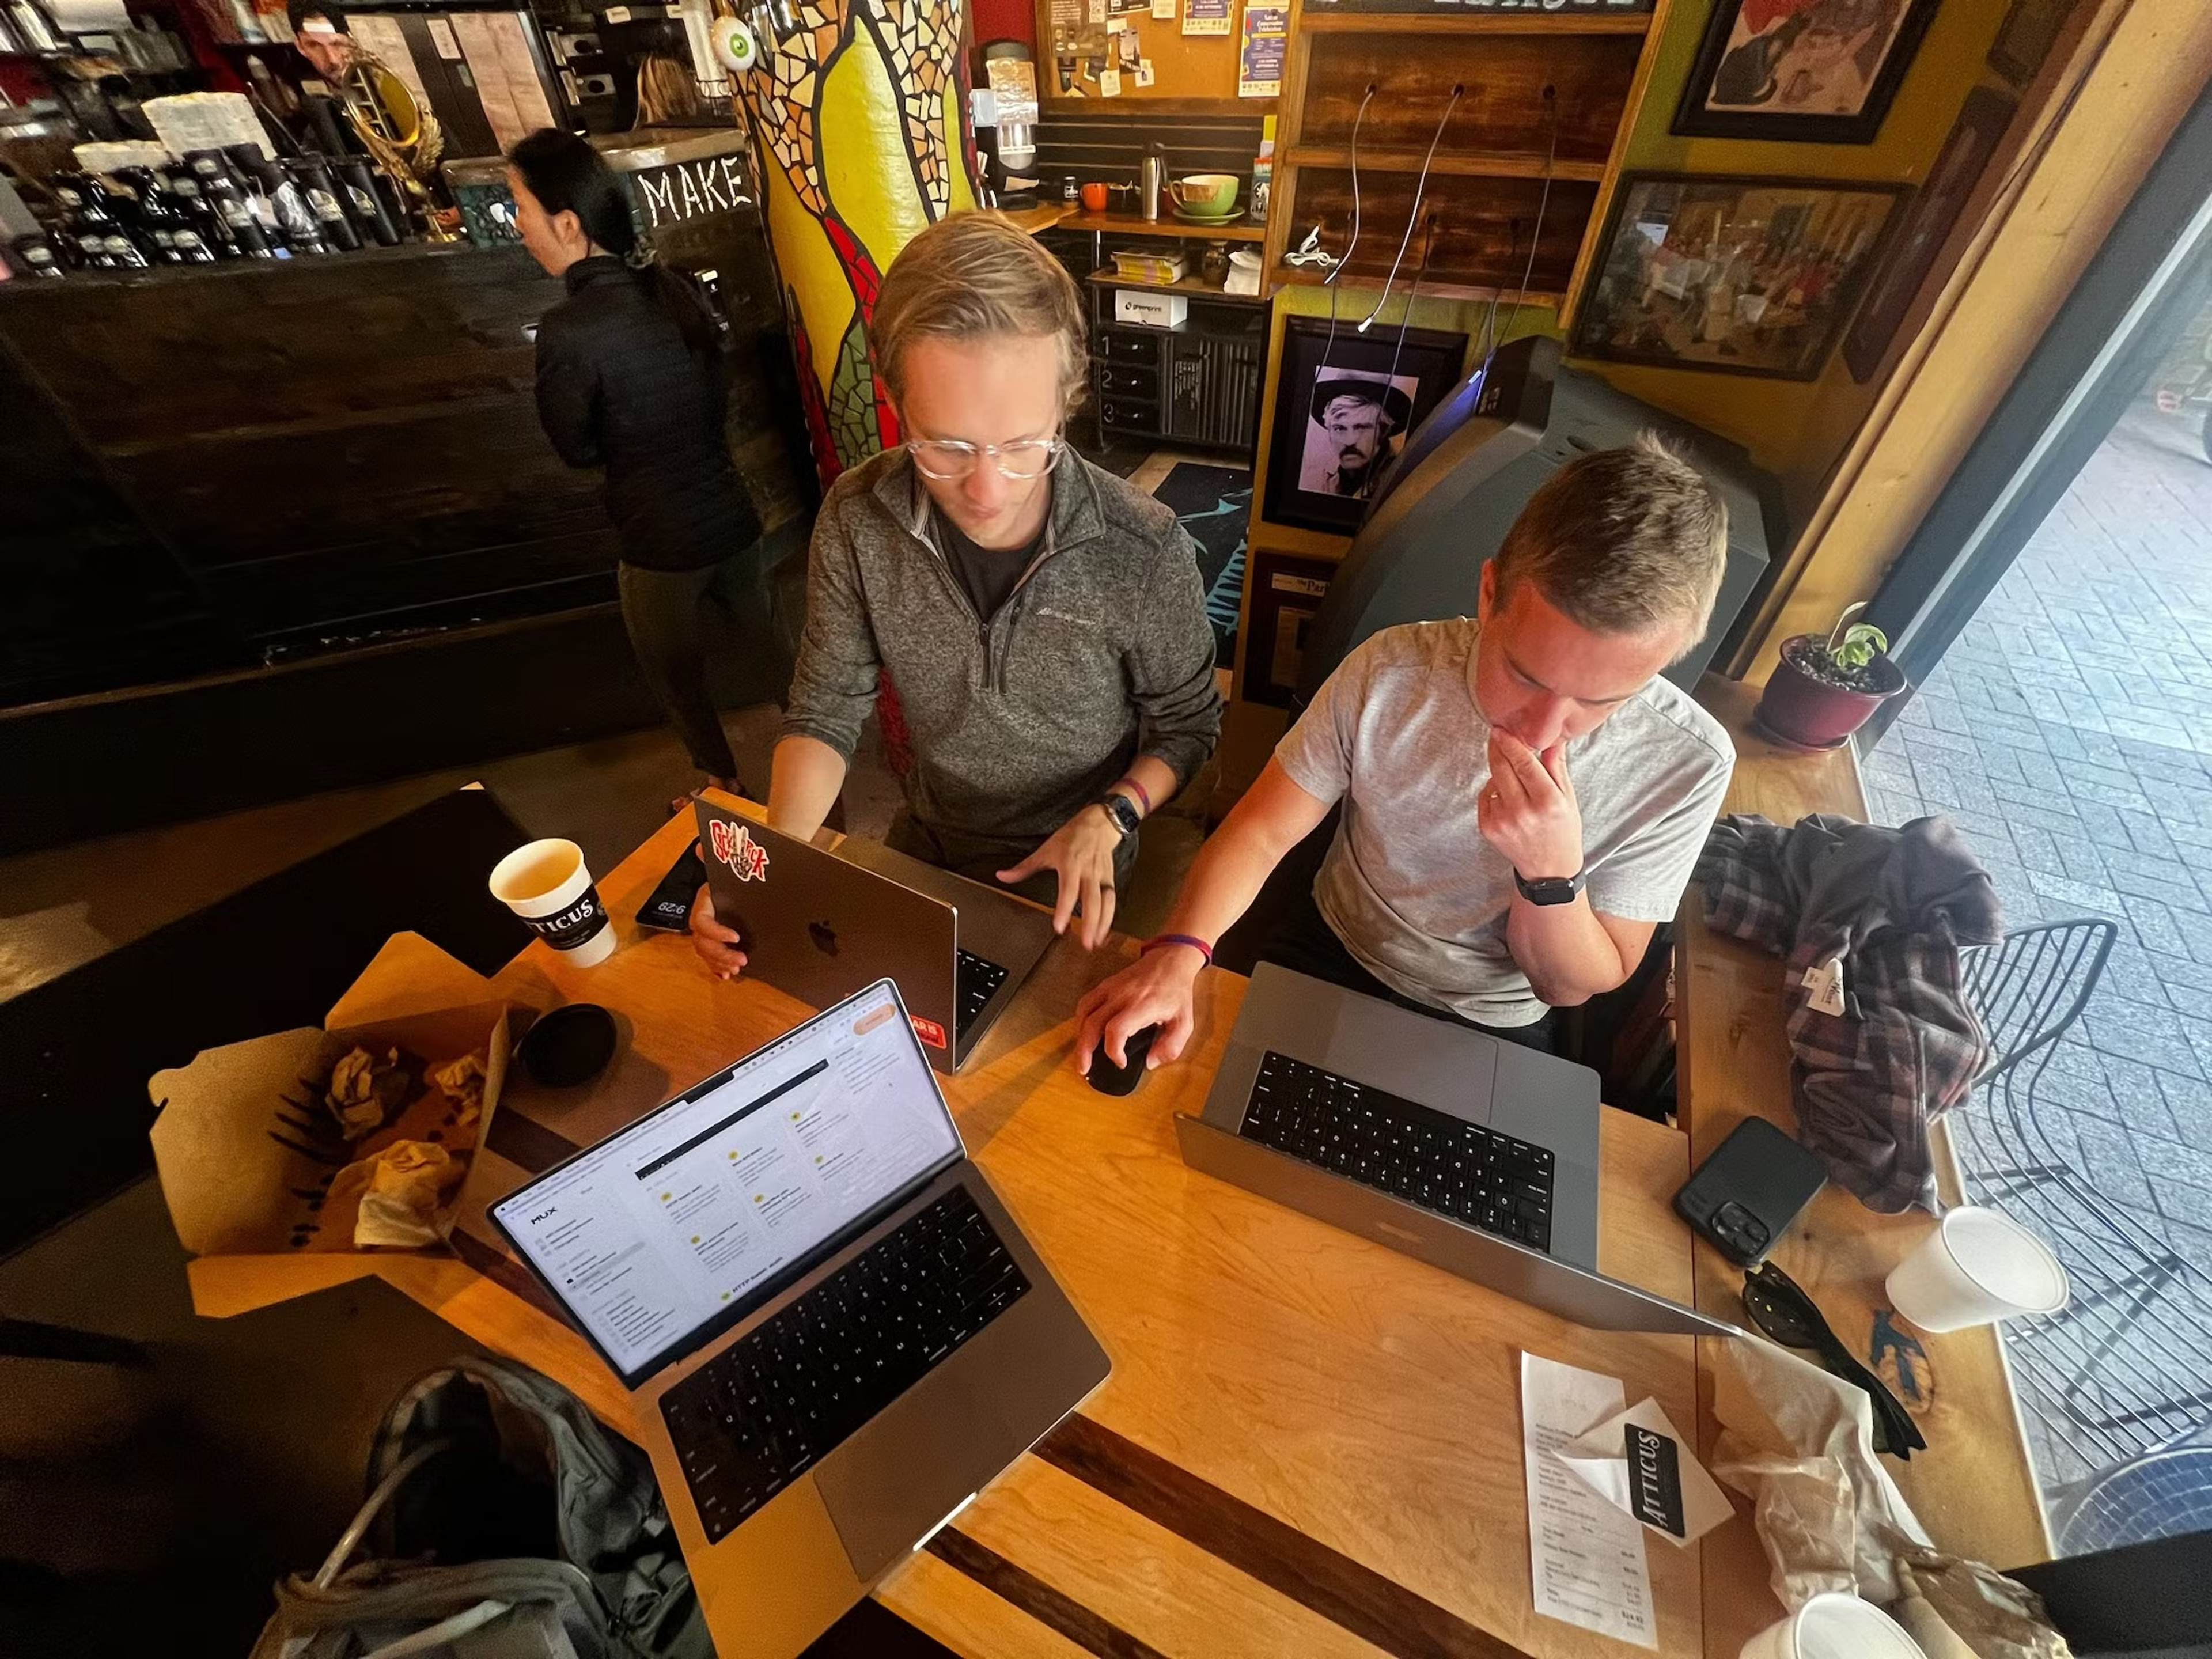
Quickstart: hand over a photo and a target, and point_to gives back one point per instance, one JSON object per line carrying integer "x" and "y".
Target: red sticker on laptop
{"x": 929, "y": 1031}
{"x": 734, "y": 845}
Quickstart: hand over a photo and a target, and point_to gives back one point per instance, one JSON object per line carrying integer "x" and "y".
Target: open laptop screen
{"x": 701, "y": 1208}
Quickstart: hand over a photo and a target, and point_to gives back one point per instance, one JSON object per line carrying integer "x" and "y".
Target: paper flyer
{"x": 1585, "y": 1556}
{"x": 1206, "y": 16}
{"x": 1267, "y": 41}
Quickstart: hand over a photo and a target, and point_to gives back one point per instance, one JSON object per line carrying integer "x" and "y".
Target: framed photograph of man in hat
{"x": 1345, "y": 404}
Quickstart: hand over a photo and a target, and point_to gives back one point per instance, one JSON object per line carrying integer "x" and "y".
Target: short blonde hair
{"x": 972, "y": 277}
{"x": 1622, "y": 540}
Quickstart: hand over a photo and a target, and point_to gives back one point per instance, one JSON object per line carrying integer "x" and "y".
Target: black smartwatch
{"x": 1552, "y": 889}
{"x": 1121, "y": 810}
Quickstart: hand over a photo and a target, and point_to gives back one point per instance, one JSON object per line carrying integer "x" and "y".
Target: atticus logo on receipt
{"x": 734, "y": 845}
{"x": 566, "y": 929}
{"x": 1655, "y": 1480}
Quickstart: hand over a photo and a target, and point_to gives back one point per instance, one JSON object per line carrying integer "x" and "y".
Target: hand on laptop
{"x": 1153, "y": 990}
{"x": 1527, "y": 810}
{"x": 717, "y": 945}
{"x": 1081, "y": 852}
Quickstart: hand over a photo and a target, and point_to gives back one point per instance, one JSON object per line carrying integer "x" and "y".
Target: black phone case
{"x": 1748, "y": 1193}
{"x": 669, "y": 910}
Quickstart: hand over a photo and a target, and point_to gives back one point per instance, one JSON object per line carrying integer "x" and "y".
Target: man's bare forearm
{"x": 803, "y": 786}
{"x": 1564, "y": 949}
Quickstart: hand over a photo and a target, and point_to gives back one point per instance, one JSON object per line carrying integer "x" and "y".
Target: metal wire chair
{"x": 2126, "y": 1368}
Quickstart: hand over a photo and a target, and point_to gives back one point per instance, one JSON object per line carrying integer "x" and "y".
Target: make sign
{"x": 692, "y": 190}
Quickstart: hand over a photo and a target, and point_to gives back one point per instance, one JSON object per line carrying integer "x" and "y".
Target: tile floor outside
{"x": 2069, "y": 733}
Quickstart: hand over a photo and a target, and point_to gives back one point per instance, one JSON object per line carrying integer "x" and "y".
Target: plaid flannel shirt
{"x": 1894, "y": 906}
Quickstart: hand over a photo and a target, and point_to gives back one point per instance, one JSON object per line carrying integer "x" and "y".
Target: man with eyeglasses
{"x": 1041, "y": 620}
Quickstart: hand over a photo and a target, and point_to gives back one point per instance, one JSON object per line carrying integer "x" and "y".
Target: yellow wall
{"x": 1797, "y": 429}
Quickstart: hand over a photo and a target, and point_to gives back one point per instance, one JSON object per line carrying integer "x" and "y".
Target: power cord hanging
{"x": 1352, "y": 246}
{"x": 1420, "y": 189}
{"x": 1543, "y": 201}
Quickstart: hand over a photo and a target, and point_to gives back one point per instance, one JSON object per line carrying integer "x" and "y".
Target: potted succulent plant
{"x": 1823, "y": 689}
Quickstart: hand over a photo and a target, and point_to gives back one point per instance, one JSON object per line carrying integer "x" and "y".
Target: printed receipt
{"x": 1585, "y": 1556}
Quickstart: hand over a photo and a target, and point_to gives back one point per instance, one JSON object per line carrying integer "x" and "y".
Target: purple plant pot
{"x": 1811, "y": 714}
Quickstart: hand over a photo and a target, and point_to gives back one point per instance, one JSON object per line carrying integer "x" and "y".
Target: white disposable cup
{"x": 546, "y": 885}
{"x": 1834, "y": 1625}
{"x": 1977, "y": 1267}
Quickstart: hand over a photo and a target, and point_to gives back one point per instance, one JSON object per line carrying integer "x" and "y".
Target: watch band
{"x": 1120, "y": 812}
{"x": 1552, "y": 889}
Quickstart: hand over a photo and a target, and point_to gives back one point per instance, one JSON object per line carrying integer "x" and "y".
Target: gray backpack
{"x": 507, "y": 1524}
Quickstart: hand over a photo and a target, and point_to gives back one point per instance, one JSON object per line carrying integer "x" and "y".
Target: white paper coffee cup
{"x": 546, "y": 885}
{"x": 1976, "y": 1268}
{"x": 1835, "y": 1624}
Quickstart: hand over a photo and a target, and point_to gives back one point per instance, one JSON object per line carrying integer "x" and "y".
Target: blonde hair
{"x": 977, "y": 276}
{"x": 1623, "y": 541}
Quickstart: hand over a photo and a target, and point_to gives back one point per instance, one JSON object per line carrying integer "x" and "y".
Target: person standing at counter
{"x": 629, "y": 379}
{"x": 1042, "y": 620}
{"x": 1524, "y": 798}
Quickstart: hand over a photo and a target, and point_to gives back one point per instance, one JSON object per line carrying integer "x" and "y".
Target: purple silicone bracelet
{"x": 1197, "y": 944}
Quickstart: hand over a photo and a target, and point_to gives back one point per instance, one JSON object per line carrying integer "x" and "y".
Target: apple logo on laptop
{"x": 824, "y": 937}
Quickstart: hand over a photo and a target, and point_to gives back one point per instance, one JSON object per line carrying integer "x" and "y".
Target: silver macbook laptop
{"x": 821, "y": 924}
{"x": 1475, "y": 1155}
{"x": 833, "y": 1332}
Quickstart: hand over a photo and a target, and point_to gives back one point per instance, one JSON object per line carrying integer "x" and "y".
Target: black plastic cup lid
{"x": 570, "y": 1045}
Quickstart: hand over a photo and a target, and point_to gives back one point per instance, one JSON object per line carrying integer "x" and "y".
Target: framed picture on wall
{"x": 1739, "y": 275}
{"x": 1927, "y": 226}
{"x": 1805, "y": 71}
{"x": 2026, "y": 37}
{"x": 1344, "y": 405}
{"x": 1286, "y": 592}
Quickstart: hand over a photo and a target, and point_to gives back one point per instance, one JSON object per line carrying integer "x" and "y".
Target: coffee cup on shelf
{"x": 547, "y": 885}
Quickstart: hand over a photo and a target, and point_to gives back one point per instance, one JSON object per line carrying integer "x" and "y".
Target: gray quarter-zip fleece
{"x": 1102, "y": 652}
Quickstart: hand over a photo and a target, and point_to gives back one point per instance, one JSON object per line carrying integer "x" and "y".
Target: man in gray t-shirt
{"x": 1523, "y": 797}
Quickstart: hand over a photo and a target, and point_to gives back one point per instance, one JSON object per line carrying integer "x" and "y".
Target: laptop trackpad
{"x": 899, "y": 1476}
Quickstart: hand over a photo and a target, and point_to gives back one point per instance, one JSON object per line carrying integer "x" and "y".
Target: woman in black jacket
{"x": 628, "y": 380}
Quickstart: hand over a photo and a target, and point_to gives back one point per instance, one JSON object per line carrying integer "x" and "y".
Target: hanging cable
{"x": 1428, "y": 241}
{"x": 1535, "y": 241}
{"x": 1350, "y": 247}
{"x": 1420, "y": 188}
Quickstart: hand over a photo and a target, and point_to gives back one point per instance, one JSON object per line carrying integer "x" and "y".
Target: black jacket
{"x": 618, "y": 388}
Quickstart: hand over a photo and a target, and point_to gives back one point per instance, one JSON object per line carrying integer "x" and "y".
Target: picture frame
{"x": 1926, "y": 226}
{"x": 1800, "y": 71}
{"x": 1284, "y": 593}
{"x": 1796, "y": 256}
{"x": 2026, "y": 37}
{"x": 1324, "y": 463}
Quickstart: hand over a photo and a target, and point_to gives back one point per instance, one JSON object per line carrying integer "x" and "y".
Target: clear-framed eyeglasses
{"x": 1022, "y": 460}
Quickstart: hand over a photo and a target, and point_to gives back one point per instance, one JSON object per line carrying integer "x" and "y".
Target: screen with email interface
{"x": 655, "y": 1233}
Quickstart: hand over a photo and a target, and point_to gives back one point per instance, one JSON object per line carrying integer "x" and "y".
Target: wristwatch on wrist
{"x": 1552, "y": 889}
{"x": 1121, "y": 812}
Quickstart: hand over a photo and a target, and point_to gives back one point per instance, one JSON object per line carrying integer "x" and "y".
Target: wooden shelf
{"x": 1132, "y": 224}
{"x": 1197, "y": 285}
{"x": 1445, "y": 166}
{"x": 1268, "y": 537}
{"x": 1430, "y": 290}
{"x": 1424, "y": 22}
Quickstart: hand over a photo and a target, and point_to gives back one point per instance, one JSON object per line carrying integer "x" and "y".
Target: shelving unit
{"x": 1197, "y": 384}
{"x": 1528, "y": 155}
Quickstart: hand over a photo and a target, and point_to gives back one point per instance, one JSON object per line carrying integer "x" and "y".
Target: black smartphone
{"x": 1746, "y": 1195}
{"x": 670, "y": 907}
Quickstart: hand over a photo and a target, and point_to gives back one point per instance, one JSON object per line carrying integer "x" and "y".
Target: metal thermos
{"x": 1155, "y": 180}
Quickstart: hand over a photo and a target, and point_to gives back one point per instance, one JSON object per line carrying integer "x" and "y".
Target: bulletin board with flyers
{"x": 1140, "y": 50}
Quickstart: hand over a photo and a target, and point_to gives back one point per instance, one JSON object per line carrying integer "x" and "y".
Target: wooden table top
{"x": 1309, "y": 1444}
{"x": 1974, "y": 1487}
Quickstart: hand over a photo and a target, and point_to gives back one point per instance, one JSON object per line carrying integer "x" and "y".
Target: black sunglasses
{"x": 1778, "y": 1304}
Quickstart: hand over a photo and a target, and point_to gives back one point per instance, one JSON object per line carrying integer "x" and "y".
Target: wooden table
{"x": 1310, "y": 1444}
{"x": 1974, "y": 1487}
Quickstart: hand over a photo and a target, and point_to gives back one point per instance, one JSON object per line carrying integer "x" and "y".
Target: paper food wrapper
{"x": 1638, "y": 1461}
{"x": 1800, "y": 1444}
{"x": 242, "y": 1175}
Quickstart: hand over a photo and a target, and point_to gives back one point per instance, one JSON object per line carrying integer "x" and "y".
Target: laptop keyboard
{"x": 979, "y": 981}
{"x": 1428, "y": 1158}
{"x": 765, "y": 1410}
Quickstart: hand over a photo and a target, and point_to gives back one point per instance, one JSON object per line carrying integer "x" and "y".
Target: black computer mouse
{"x": 569, "y": 1046}
{"x": 1111, "y": 1079}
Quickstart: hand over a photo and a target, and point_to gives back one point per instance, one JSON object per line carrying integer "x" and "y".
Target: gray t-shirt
{"x": 1418, "y": 896}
